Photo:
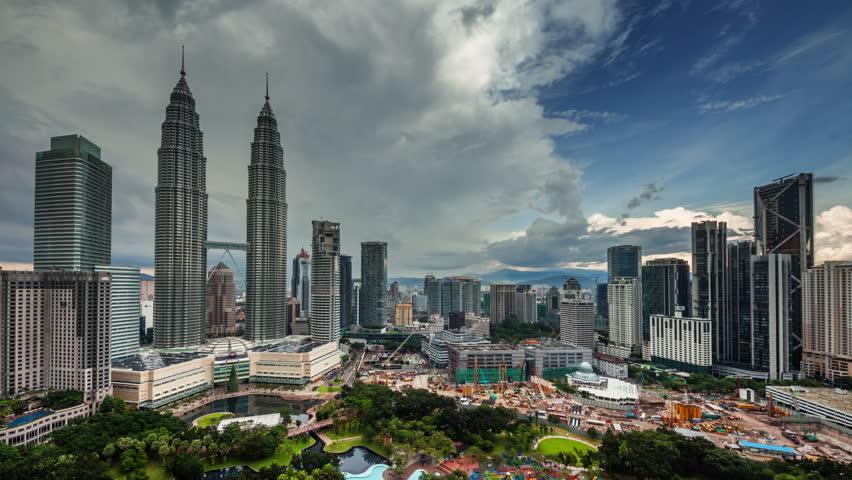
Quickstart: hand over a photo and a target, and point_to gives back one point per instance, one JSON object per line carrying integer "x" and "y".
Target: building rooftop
{"x": 268, "y": 420}
{"x": 608, "y": 358}
{"x": 485, "y": 348}
{"x": 691, "y": 433}
{"x": 154, "y": 359}
{"x": 771, "y": 448}
{"x": 550, "y": 346}
{"x": 292, "y": 344}
{"x": 827, "y": 397}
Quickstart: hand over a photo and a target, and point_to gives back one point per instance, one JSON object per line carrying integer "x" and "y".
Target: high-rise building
{"x": 738, "y": 305}
{"x": 681, "y": 342}
{"x": 624, "y": 261}
{"x": 601, "y": 295}
{"x": 356, "y": 301}
{"x": 403, "y": 315}
{"x": 708, "y": 281}
{"x": 302, "y": 280}
{"x": 125, "y": 310}
{"x": 784, "y": 223}
{"x": 625, "y": 313}
{"x": 665, "y": 286}
{"x": 453, "y": 294}
{"x": 73, "y": 206}
{"x": 293, "y": 312}
{"x": 374, "y": 284}
{"x": 552, "y": 299}
{"x": 502, "y": 301}
{"x": 420, "y": 302}
{"x": 180, "y": 250}
{"x": 827, "y": 321}
{"x": 146, "y": 288}
{"x": 266, "y": 232}
{"x": 346, "y": 316}
{"x": 525, "y": 306}
{"x": 770, "y": 315}
{"x": 56, "y": 332}
{"x": 325, "y": 282}
{"x": 394, "y": 293}
{"x": 221, "y": 301}
{"x": 577, "y": 322}
{"x": 471, "y": 294}
{"x": 572, "y": 284}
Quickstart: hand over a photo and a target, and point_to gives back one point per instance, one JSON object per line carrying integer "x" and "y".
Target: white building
{"x": 681, "y": 342}
{"x": 610, "y": 365}
{"x": 526, "y": 306}
{"x": 146, "y": 310}
{"x": 832, "y": 404}
{"x": 577, "y": 323}
{"x": 827, "y": 321}
{"x": 605, "y": 390}
{"x": 325, "y": 282}
{"x": 624, "y": 296}
{"x": 124, "y": 310}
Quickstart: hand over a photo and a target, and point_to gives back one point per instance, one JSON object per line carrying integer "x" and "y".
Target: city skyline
{"x": 573, "y": 119}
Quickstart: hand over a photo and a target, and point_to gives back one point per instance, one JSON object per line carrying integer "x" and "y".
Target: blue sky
{"x": 471, "y": 135}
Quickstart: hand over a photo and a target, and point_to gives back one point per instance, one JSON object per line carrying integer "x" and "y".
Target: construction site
{"x": 496, "y": 375}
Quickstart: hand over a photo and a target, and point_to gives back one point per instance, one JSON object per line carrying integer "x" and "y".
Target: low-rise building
{"x": 36, "y": 426}
{"x": 435, "y": 346}
{"x": 486, "y": 364}
{"x": 552, "y": 360}
{"x": 611, "y": 366}
{"x": 831, "y": 404}
{"x": 607, "y": 392}
{"x": 478, "y": 325}
{"x": 156, "y": 378}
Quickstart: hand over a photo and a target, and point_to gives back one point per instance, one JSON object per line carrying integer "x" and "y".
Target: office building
{"x": 624, "y": 261}
{"x": 526, "y": 306}
{"x": 577, "y": 322}
{"x": 602, "y": 303}
{"x": 266, "y": 232}
{"x": 374, "y": 284}
{"x": 554, "y": 360}
{"x": 827, "y": 321}
{"x": 302, "y": 280}
{"x": 356, "y": 301}
{"x": 456, "y": 320}
{"x": 738, "y": 338}
{"x": 403, "y": 316}
{"x": 681, "y": 342}
{"x": 125, "y": 310}
{"x": 180, "y": 250}
{"x": 665, "y": 286}
{"x": 146, "y": 287}
{"x": 478, "y": 325}
{"x": 325, "y": 282}
{"x": 453, "y": 294}
{"x": 486, "y": 363}
{"x": 625, "y": 313}
{"x": 784, "y": 224}
{"x": 294, "y": 311}
{"x": 435, "y": 347}
{"x": 502, "y": 301}
{"x": 770, "y": 315}
{"x": 346, "y": 316}
{"x": 146, "y": 311}
{"x": 552, "y": 299}
{"x": 56, "y": 332}
{"x": 420, "y": 302}
{"x": 394, "y": 293}
{"x": 221, "y": 301}
{"x": 708, "y": 281}
{"x": 72, "y": 224}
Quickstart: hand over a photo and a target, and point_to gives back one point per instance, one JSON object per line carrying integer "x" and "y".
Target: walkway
{"x": 309, "y": 427}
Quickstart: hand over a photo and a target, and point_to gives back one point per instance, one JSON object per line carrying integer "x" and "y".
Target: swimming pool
{"x": 373, "y": 473}
{"x": 416, "y": 474}
{"x": 28, "y": 418}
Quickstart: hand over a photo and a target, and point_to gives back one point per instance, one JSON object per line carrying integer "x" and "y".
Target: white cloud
{"x": 678, "y": 217}
{"x": 833, "y": 238}
{"x": 734, "y": 105}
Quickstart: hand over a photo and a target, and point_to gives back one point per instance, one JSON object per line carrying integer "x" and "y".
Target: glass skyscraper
{"x": 624, "y": 261}
{"x": 345, "y": 291}
{"x": 73, "y": 206}
{"x": 125, "y": 310}
{"x": 374, "y": 284}
{"x": 708, "y": 281}
{"x": 266, "y": 222}
{"x": 738, "y": 304}
{"x": 665, "y": 285}
{"x": 325, "y": 282}
{"x": 180, "y": 250}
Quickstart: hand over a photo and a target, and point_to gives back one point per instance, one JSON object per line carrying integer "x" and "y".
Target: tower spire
{"x": 182, "y": 70}
{"x": 267, "y": 86}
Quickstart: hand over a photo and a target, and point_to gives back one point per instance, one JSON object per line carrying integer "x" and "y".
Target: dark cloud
{"x": 828, "y": 179}
{"x": 650, "y": 191}
{"x": 473, "y": 14}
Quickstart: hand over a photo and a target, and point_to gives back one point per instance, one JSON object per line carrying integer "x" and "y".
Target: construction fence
{"x": 488, "y": 375}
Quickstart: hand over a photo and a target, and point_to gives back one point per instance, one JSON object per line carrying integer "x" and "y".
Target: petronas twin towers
{"x": 180, "y": 253}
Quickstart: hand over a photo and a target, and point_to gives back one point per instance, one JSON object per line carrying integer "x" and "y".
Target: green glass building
{"x": 73, "y": 206}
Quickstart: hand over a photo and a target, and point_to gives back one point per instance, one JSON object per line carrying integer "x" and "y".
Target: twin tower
{"x": 180, "y": 251}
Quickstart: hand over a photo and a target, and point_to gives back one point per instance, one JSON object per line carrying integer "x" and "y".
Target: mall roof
{"x": 153, "y": 359}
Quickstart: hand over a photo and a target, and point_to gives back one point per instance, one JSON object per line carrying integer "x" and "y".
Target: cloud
{"x": 650, "y": 191}
{"x": 828, "y": 179}
{"x": 833, "y": 238}
{"x": 747, "y": 13}
{"x": 735, "y": 105}
{"x": 411, "y": 123}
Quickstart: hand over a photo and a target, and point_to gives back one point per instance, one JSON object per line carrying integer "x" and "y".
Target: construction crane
{"x": 385, "y": 365}
{"x": 475, "y": 373}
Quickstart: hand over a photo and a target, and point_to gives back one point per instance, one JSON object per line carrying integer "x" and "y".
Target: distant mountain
{"x": 547, "y": 277}
{"x": 145, "y": 276}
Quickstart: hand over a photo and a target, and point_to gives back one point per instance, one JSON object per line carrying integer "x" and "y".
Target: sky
{"x": 469, "y": 135}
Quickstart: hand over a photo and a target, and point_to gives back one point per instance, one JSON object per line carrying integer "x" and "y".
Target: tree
{"x": 327, "y": 472}
{"x": 552, "y": 419}
{"x": 566, "y": 458}
{"x": 113, "y": 405}
{"x": 108, "y": 451}
{"x": 255, "y": 443}
{"x": 132, "y": 460}
{"x": 18, "y": 406}
{"x": 233, "y": 382}
{"x": 62, "y": 399}
{"x": 186, "y": 466}
{"x": 285, "y": 412}
{"x": 592, "y": 432}
{"x": 843, "y": 382}
{"x": 310, "y": 461}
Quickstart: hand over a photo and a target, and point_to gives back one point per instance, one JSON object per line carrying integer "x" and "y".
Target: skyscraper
{"x": 784, "y": 223}
{"x": 356, "y": 301}
{"x": 180, "y": 251}
{"x": 601, "y": 295}
{"x": 577, "y": 322}
{"x": 221, "y": 301}
{"x": 325, "y": 282}
{"x": 394, "y": 293}
{"x": 125, "y": 310}
{"x": 345, "y": 291}
{"x": 708, "y": 281}
{"x": 738, "y": 305}
{"x": 624, "y": 261}
{"x": 502, "y": 301}
{"x": 827, "y": 321}
{"x": 453, "y": 294}
{"x": 302, "y": 280}
{"x": 665, "y": 285}
{"x": 374, "y": 284}
{"x": 625, "y": 314}
{"x": 525, "y": 306}
{"x": 770, "y": 315}
{"x": 73, "y": 206}
{"x": 266, "y": 222}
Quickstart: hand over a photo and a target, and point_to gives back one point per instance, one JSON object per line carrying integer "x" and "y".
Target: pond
{"x": 253, "y": 405}
{"x": 358, "y": 460}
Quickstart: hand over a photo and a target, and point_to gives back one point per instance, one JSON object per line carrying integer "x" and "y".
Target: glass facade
{"x": 665, "y": 285}
{"x": 374, "y": 284}
{"x": 623, "y": 261}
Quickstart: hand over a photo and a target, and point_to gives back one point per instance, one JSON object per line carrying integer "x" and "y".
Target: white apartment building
{"x": 681, "y": 342}
{"x": 577, "y": 323}
{"x": 827, "y": 320}
{"x": 624, "y": 296}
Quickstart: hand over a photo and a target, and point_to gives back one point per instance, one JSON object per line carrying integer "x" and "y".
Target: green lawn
{"x": 327, "y": 389}
{"x": 154, "y": 469}
{"x": 552, "y": 446}
{"x": 340, "y": 447}
{"x": 348, "y": 432}
{"x": 283, "y": 456}
{"x": 213, "y": 419}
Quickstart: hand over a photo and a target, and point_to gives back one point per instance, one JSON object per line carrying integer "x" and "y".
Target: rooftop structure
{"x": 607, "y": 392}
{"x": 551, "y": 360}
{"x": 832, "y": 404}
{"x": 154, "y": 359}
{"x": 269, "y": 420}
